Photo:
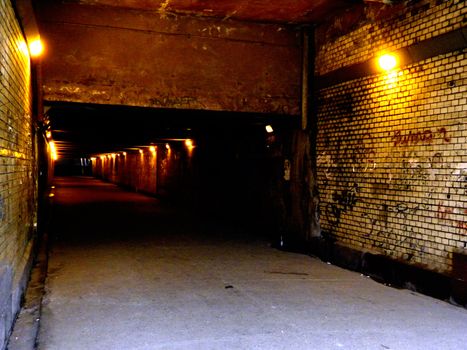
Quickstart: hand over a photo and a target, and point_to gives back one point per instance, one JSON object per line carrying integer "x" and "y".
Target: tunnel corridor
{"x": 128, "y": 271}
{"x": 232, "y": 169}
{"x": 203, "y": 174}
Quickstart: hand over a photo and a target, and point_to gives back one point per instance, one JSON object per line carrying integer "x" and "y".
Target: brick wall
{"x": 17, "y": 166}
{"x": 391, "y": 147}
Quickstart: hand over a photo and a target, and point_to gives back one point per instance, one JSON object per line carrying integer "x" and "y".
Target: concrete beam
{"x": 127, "y": 57}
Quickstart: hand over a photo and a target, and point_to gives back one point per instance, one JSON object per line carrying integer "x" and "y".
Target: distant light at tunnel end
{"x": 387, "y": 62}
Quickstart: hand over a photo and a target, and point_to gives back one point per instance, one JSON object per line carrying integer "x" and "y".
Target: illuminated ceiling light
{"x": 387, "y": 61}
{"x": 152, "y": 149}
{"x": 36, "y": 48}
{"x": 189, "y": 143}
{"x": 269, "y": 129}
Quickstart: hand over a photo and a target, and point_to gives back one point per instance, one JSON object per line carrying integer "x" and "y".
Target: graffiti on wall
{"x": 386, "y": 216}
{"x": 342, "y": 202}
{"x": 422, "y": 137}
{"x": 360, "y": 153}
{"x": 451, "y": 215}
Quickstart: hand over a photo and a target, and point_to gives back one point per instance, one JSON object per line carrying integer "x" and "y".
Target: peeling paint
{"x": 186, "y": 63}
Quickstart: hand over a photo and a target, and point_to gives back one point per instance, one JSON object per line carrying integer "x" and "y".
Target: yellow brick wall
{"x": 424, "y": 20}
{"x": 391, "y": 147}
{"x": 17, "y": 169}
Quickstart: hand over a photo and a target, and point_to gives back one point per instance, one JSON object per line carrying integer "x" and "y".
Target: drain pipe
{"x": 309, "y": 126}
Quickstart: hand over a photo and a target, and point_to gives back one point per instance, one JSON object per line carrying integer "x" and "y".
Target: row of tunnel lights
{"x": 188, "y": 143}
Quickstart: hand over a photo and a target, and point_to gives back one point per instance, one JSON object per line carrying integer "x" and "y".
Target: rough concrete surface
{"x": 127, "y": 272}
{"x": 109, "y": 55}
{"x": 26, "y": 327}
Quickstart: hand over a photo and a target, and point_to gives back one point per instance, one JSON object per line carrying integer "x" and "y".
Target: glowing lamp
{"x": 53, "y": 150}
{"x": 152, "y": 149}
{"x": 140, "y": 151}
{"x": 269, "y": 129}
{"x": 387, "y": 62}
{"x": 189, "y": 143}
{"x": 167, "y": 146}
{"x": 36, "y": 48}
{"x": 48, "y": 134}
{"x": 124, "y": 154}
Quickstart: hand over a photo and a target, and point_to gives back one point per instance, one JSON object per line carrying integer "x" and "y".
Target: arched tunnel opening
{"x": 219, "y": 166}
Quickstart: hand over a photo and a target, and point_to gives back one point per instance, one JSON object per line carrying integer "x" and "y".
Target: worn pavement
{"x": 127, "y": 271}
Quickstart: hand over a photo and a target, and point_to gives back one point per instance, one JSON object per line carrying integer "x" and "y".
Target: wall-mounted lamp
{"x": 36, "y": 48}
{"x": 53, "y": 150}
{"x": 152, "y": 149}
{"x": 140, "y": 151}
{"x": 387, "y": 62}
{"x": 48, "y": 134}
{"x": 167, "y": 146}
{"x": 189, "y": 143}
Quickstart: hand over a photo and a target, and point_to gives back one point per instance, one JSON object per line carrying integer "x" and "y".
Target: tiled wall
{"x": 17, "y": 165}
{"x": 391, "y": 147}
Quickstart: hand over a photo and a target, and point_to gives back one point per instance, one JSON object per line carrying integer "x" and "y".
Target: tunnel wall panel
{"x": 391, "y": 147}
{"x": 157, "y": 173}
{"x": 125, "y": 57}
{"x": 18, "y": 189}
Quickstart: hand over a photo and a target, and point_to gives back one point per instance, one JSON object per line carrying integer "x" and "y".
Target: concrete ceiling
{"x": 280, "y": 11}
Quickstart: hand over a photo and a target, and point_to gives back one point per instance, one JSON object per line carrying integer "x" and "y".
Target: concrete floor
{"x": 127, "y": 272}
